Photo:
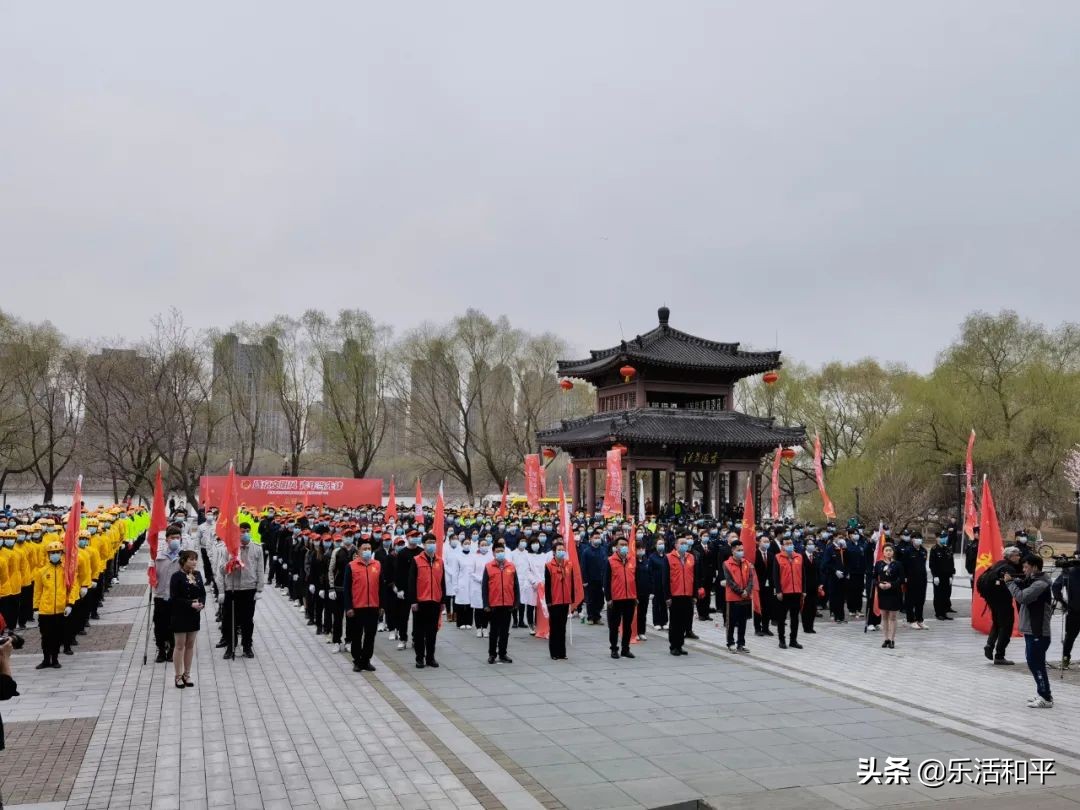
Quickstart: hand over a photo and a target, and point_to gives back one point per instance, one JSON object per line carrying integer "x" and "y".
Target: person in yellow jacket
{"x": 76, "y": 623}
{"x": 27, "y": 558}
{"x": 53, "y": 601}
{"x": 10, "y": 578}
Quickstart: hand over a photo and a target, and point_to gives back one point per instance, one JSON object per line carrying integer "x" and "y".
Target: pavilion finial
{"x": 663, "y": 313}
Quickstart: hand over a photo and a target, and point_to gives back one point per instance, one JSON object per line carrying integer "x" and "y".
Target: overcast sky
{"x": 850, "y": 178}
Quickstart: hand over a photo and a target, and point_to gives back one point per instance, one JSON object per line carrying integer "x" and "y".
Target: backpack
{"x": 985, "y": 583}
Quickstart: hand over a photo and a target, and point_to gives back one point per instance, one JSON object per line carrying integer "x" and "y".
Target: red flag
{"x": 504, "y": 507}
{"x": 229, "y": 529}
{"x": 827, "y": 506}
{"x": 991, "y": 551}
{"x": 418, "y": 510}
{"x": 542, "y": 623}
{"x": 775, "y": 490}
{"x": 571, "y": 547}
{"x": 879, "y": 554}
{"x": 748, "y": 535}
{"x": 613, "y": 488}
{"x": 158, "y": 521}
{"x": 971, "y": 517}
{"x": 633, "y": 564}
{"x": 439, "y": 523}
{"x": 71, "y": 536}
{"x": 532, "y": 480}
{"x": 391, "y": 503}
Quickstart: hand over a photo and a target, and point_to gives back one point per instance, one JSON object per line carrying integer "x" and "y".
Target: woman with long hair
{"x": 187, "y": 598}
{"x": 889, "y": 578}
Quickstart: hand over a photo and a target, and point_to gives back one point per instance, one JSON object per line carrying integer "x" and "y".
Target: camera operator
{"x": 1032, "y": 595}
{"x": 1067, "y": 591}
{"x": 8, "y": 642}
{"x": 1000, "y": 604}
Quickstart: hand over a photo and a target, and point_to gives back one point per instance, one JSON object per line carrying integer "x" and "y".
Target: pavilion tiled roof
{"x": 674, "y": 426}
{"x": 665, "y": 346}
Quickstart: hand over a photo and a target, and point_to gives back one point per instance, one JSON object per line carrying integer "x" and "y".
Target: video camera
{"x": 17, "y": 641}
{"x": 1063, "y": 561}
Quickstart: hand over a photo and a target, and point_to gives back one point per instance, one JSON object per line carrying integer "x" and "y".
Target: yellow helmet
{"x": 91, "y": 522}
{"x": 47, "y": 522}
{"x": 24, "y": 529}
{"x": 9, "y": 533}
{"x": 55, "y": 545}
{"x": 83, "y": 533}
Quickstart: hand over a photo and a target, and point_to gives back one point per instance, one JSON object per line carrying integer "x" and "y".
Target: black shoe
{"x": 811, "y": 632}
{"x": 988, "y": 651}
{"x": 94, "y": 616}
{"x": 55, "y": 664}
{"x": 683, "y": 652}
{"x": 676, "y": 652}
{"x": 628, "y": 654}
{"x": 368, "y": 668}
{"x": 68, "y": 651}
{"x": 44, "y": 664}
{"x": 758, "y": 633}
{"x": 168, "y": 656}
{"x": 229, "y": 655}
{"x": 311, "y": 622}
{"x": 795, "y": 645}
{"x": 885, "y": 644}
{"x": 742, "y": 649}
{"x": 947, "y": 618}
{"x": 767, "y": 633}
{"x": 950, "y": 610}
{"x": 80, "y": 633}
{"x": 357, "y": 667}
{"x": 695, "y": 635}
{"x": 419, "y": 663}
{"x": 431, "y": 662}
{"x": 505, "y": 659}
{"x": 160, "y": 658}
{"x": 783, "y": 644}
{"x": 1003, "y": 662}
{"x": 614, "y": 653}
{"x": 491, "y": 659}
{"x": 248, "y": 652}
{"x": 892, "y": 645}
{"x": 221, "y": 644}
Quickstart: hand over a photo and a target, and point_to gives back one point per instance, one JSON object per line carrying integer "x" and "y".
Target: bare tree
{"x": 293, "y": 376}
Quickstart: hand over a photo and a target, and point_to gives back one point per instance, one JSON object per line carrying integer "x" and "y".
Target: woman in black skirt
{"x": 187, "y": 597}
{"x": 889, "y": 576}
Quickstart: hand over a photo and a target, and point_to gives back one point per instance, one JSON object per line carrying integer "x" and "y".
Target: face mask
{"x": 326, "y": 544}
{"x": 640, "y": 553}
{"x": 466, "y": 548}
{"x": 430, "y": 549}
{"x": 595, "y": 541}
{"x": 365, "y": 555}
{"x": 917, "y": 541}
{"x": 811, "y": 549}
{"x": 482, "y": 550}
{"x": 245, "y": 538}
{"x": 83, "y": 542}
{"x": 789, "y": 548}
{"x": 270, "y": 514}
{"x": 347, "y": 542}
{"x": 528, "y": 532}
{"x": 9, "y": 542}
{"x": 684, "y": 547}
{"x": 412, "y": 541}
{"x": 534, "y": 547}
{"x": 659, "y": 548}
{"x": 623, "y": 550}
{"x": 54, "y": 558}
{"x": 764, "y": 547}
{"x": 738, "y": 554}
{"x": 92, "y": 529}
{"x": 174, "y": 545}
{"x": 521, "y": 545}
{"x": 500, "y": 556}
{"x": 943, "y": 541}
{"x": 841, "y": 544}
{"x": 542, "y": 538}
{"x": 386, "y": 544}
{"x": 454, "y": 544}
{"x": 474, "y": 536}
{"x": 560, "y": 555}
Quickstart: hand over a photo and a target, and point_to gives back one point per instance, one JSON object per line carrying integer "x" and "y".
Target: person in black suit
{"x": 888, "y": 583}
{"x": 187, "y": 598}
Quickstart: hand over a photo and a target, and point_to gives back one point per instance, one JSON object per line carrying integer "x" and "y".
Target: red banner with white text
{"x": 259, "y": 491}
{"x": 532, "y": 480}
{"x": 613, "y": 490}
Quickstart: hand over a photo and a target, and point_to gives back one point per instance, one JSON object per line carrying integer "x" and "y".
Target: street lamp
{"x": 1077, "y": 494}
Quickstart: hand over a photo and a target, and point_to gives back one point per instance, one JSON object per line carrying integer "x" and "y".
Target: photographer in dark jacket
{"x": 1000, "y": 604}
{"x": 1066, "y": 590}
{"x": 8, "y": 687}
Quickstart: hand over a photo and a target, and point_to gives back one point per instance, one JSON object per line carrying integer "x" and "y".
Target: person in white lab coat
{"x": 476, "y": 588}
{"x": 451, "y": 569}
{"x": 535, "y": 562}
{"x": 519, "y": 557}
{"x": 463, "y": 585}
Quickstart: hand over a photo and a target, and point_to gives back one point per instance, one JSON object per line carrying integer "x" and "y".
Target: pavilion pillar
{"x": 733, "y": 488}
{"x": 629, "y": 490}
{"x": 706, "y": 492}
{"x": 590, "y": 490}
{"x": 656, "y": 491}
{"x": 688, "y": 488}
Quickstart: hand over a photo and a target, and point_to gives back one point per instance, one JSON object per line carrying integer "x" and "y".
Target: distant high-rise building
{"x": 245, "y": 376}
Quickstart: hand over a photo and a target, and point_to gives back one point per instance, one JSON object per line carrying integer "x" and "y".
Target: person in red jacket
{"x": 620, "y": 590}
{"x": 679, "y": 581}
{"x": 499, "y": 587}
{"x": 361, "y": 588}
{"x": 559, "y": 594}
{"x": 738, "y": 573}
{"x": 427, "y": 586}
{"x": 790, "y": 588}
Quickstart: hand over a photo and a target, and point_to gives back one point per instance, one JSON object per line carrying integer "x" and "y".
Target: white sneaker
{"x": 401, "y": 645}
{"x": 913, "y": 625}
{"x": 479, "y": 633}
{"x": 485, "y": 632}
{"x": 875, "y": 627}
{"x": 467, "y": 627}
{"x": 1041, "y": 703}
{"x": 382, "y": 627}
{"x": 920, "y": 625}
{"x": 657, "y": 627}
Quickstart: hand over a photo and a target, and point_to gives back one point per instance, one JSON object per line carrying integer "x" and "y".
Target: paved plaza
{"x": 296, "y": 728}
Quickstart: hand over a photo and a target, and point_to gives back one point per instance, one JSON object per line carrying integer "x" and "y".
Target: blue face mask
{"x": 943, "y": 541}
{"x": 789, "y": 547}
{"x": 412, "y": 541}
{"x": 684, "y": 547}
{"x": 624, "y": 550}
{"x": 500, "y": 556}
{"x": 560, "y": 555}
{"x": 429, "y": 548}
{"x": 54, "y": 558}
{"x": 174, "y": 545}
{"x": 738, "y": 554}
{"x": 245, "y": 538}
{"x": 660, "y": 548}
{"x": 84, "y": 543}
{"x": 365, "y": 555}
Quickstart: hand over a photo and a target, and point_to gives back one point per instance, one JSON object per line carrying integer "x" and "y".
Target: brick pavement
{"x": 42, "y": 759}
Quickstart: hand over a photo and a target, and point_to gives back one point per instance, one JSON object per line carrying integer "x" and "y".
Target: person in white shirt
{"x": 463, "y": 611}
{"x": 476, "y": 587}
{"x": 519, "y": 557}
{"x": 535, "y": 563}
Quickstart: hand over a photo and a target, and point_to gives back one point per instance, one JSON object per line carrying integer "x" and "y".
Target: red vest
{"x": 500, "y": 583}
{"x": 740, "y": 571}
{"x": 365, "y": 583}
{"x": 562, "y": 582}
{"x": 429, "y": 578}
{"x": 790, "y": 571}
{"x": 681, "y": 574}
{"x": 623, "y": 578}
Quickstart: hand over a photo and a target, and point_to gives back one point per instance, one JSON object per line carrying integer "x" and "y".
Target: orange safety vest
{"x": 429, "y": 579}
{"x": 365, "y": 583}
{"x": 740, "y": 571}
{"x": 500, "y": 584}
{"x": 562, "y": 582}
{"x": 790, "y": 571}
{"x": 623, "y": 578}
{"x": 680, "y": 574}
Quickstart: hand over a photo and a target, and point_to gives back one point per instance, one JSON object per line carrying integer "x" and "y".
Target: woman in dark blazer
{"x": 889, "y": 580}
{"x": 187, "y": 598}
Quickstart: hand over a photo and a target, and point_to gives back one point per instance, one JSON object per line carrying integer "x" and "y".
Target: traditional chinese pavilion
{"x": 668, "y": 398}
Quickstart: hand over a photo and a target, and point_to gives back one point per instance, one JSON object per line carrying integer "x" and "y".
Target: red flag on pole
{"x": 775, "y": 488}
{"x": 571, "y": 547}
{"x": 439, "y": 523}
{"x": 991, "y": 550}
{"x": 819, "y": 473}
{"x": 418, "y": 510}
{"x": 228, "y": 528}
{"x": 504, "y": 507}
{"x": 748, "y": 535}
{"x": 971, "y": 517}
{"x": 632, "y": 556}
{"x": 542, "y": 619}
{"x": 71, "y": 536}
{"x": 391, "y": 503}
{"x": 158, "y": 521}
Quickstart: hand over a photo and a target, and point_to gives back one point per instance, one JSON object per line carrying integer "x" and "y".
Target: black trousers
{"x": 242, "y": 603}
{"x": 425, "y": 629}
{"x": 519, "y": 615}
{"x": 500, "y": 630}
{"x": 335, "y": 613}
{"x": 481, "y": 618}
{"x": 854, "y": 592}
{"x": 208, "y": 570}
{"x": 402, "y": 612}
{"x": 943, "y": 597}
{"x": 682, "y": 613}
{"x": 594, "y": 601}
{"x": 621, "y": 612}
{"x": 642, "y": 614}
{"x": 914, "y": 599}
{"x": 764, "y": 618}
{"x": 738, "y": 613}
{"x": 463, "y": 613}
{"x": 1072, "y": 629}
{"x": 836, "y": 598}
{"x": 26, "y": 605}
{"x": 52, "y": 634}
{"x": 809, "y": 611}
{"x": 788, "y": 608}
{"x": 362, "y": 629}
{"x": 9, "y": 609}
{"x": 557, "y": 615}
{"x": 163, "y": 636}
{"x": 1002, "y": 617}
{"x": 703, "y": 604}
{"x": 659, "y": 612}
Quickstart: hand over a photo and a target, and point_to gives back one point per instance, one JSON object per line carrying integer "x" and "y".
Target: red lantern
{"x": 628, "y": 373}
{"x": 770, "y": 377}
{"x": 620, "y": 447}
{"x": 565, "y": 385}
{"x": 788, "y": 453}
{"x": 549, "y": 453}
